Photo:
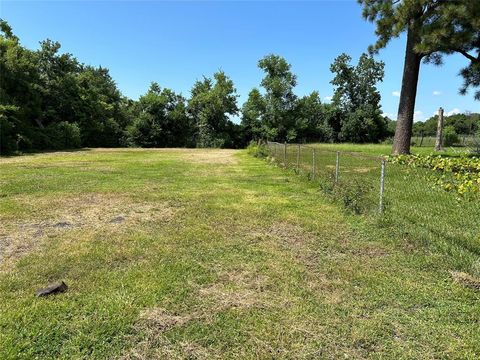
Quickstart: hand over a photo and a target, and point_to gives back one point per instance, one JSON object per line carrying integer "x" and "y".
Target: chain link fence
{"x": 404, "y": 196}
{"x": 465, "y": 141}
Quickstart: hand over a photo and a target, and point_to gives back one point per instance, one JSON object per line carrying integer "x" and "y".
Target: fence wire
{"x": 404, "y": 196}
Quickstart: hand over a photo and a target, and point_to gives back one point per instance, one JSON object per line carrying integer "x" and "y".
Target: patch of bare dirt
{"x": 57, "y": 216}
{"x": 157, "y": 346}
{"x": 291, "y": 237}
{"x": 284, "y": 234}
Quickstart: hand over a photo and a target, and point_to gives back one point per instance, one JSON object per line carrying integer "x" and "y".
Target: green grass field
{"x": 386, "y": 149}
{"x": 214, "y": 254}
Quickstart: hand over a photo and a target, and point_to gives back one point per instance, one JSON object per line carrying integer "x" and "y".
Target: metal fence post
{"x": 337, "y": 167}
{"x": 313, "y": 164}
{"x": 285, "y": 154}
{"x": 298, "y": 158}
{"x": 382, "y": 187}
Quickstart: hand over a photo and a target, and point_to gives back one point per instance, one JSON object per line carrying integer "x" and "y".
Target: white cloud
{"x": 396, "y": 93}
{"x": 453, "y": 112}
{"x": 389, "y": 115}
{"x": 418, "y": 116}
{"x": 328, "y": 98}
{"x": 437, "y": 93}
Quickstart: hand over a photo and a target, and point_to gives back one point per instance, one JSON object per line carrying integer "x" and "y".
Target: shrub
{"x": 450, "y": 136}
{"x": 353, "y": 195}
{"x": 259, "y": 150}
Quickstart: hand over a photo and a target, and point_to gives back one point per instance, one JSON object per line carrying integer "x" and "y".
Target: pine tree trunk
{"x": 406, "y": 107}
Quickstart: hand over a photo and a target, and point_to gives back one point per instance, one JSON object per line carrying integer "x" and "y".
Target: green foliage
{"x": 43, "y": 92}
{"x": 438, "y": 28}
{"x": 466, "y": 124}
{"x": 8, "y": 128}
{"x": 63, "y": 135}
{"x": 211, "y": 104}
{"x": 253, "y": 111}
{"x": 450, "y": 136}
{"x": 162, "y": 120}
{"x": 358, "y": 99}
{"x": 257, "y": 149}
{"x": 353, "y": 116}
{"x": 353, "y": 195}
{"x": 458, "y": 174}
{"x": 279, "y": 98}
{"x": 311, "y": 121}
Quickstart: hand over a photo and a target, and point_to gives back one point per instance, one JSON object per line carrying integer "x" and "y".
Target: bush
{"x": 353, "y": 195}
{"x": 259, "y": 150}
{"x": 450, "y": 136}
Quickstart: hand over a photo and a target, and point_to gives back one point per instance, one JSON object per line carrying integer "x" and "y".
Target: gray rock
{"x": 52, "y": 289}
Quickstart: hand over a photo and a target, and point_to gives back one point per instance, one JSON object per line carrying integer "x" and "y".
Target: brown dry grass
{"x": 466, "y": 280}
{"x": 98, "y": 212}
{"x": 155, "y": 345}
{"x": 239, "y": 289}
{"x": 210, "y": 156}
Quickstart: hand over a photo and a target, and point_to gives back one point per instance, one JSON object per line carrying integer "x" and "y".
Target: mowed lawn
{"x": 210, "y": 254}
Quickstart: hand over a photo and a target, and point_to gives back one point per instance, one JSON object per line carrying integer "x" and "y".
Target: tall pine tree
{"x": 434, "y": 28}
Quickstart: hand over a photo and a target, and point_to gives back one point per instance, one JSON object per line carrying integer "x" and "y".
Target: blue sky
{"x": 177, "y": 42}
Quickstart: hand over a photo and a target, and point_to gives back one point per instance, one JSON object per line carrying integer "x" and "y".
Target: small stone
{"x": 52, "y": 289}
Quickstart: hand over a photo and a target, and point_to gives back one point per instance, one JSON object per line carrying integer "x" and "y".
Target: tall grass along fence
{"x": 415, "y": 199}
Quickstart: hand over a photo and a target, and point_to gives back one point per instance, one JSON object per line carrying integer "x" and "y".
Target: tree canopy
{"x": 434, "y": 28}
{"x": 281, "y": 115}
{"x": 357, "y": 97}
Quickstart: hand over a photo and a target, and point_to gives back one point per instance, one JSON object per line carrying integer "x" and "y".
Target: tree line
{"x": 461, "y": 124}
{"x": 50, "y": 100}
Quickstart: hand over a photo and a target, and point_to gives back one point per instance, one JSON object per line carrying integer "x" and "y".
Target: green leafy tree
{"x": 434, "y": 28}
{"x": 48, "y": 100}
{"x": 358, "y": 99}
{"x": 58, "y": 85}
{"x": 280, "y": 100}
{"x": 311, "y": 121}
{"x": 99, "y": 108}
{"x": 19, "y": 100}
{"x": 162, "y": 120}
{"x": 253, "y": 112}
{"x": 211, "y": 104}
